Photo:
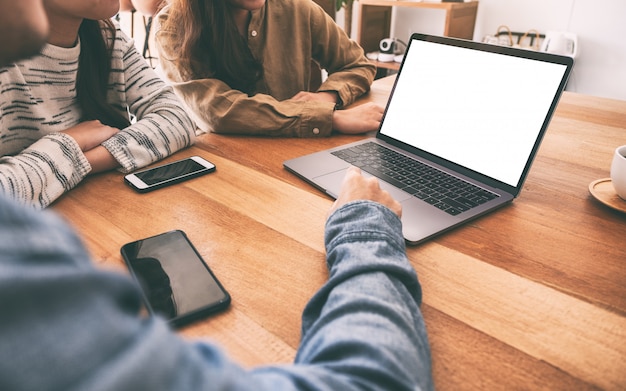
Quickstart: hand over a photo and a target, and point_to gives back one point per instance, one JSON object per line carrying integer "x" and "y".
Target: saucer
{"x": 603, "y": 191}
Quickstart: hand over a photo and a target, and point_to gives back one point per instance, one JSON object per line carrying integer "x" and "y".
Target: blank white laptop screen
{"x": 459, "y": 104}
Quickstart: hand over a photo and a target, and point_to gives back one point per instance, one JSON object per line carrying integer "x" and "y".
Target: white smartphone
{"x": 168, "y": 174}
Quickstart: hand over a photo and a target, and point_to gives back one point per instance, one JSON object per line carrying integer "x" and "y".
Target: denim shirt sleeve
{"x": 365, "y": 323}
{"x": 67, "y": 325}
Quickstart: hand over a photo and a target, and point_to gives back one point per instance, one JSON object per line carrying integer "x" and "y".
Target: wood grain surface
{"x": 532, "y": 296}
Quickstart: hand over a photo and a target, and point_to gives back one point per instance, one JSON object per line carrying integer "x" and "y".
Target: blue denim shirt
{"x": 65, "y": 325}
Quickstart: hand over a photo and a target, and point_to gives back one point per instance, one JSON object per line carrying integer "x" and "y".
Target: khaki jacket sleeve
{"x": 215, "y": 107}
{"x": 350, "y": 73}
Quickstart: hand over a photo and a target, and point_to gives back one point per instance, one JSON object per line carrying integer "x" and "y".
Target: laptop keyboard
{"x": 446, "y": 192}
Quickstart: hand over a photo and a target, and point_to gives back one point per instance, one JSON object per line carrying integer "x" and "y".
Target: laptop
{"x": 461, "y": 128}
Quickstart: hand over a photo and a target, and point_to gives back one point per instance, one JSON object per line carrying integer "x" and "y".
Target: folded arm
{"x": 162, "y": 126}
{"x": 44, "y": 171}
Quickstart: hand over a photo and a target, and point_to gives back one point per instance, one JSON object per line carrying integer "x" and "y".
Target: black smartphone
{"x": 176, "y": 282}
{"x": 168, "y": 174}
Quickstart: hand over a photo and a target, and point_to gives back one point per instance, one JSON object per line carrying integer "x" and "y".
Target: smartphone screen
{"x": 168, "y": 174}
{"x": 176, "y": 282}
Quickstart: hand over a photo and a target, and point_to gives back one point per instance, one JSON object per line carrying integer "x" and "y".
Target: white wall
{"x": 600, "y": 67}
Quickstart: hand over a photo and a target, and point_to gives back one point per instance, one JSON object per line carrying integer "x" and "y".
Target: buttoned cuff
{"x": 317, "y": 119}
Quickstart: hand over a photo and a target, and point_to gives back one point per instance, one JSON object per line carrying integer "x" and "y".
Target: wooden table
{"x": 532, "y": 296}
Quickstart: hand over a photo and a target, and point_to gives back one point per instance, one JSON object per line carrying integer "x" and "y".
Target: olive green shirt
{"x": 284, "y": 36}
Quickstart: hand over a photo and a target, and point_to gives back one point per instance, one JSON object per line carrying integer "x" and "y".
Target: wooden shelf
{"x": 421, "y": 4}
{"x": 375, "y": 21}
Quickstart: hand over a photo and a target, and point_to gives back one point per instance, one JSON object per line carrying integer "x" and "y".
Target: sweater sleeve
{"x": 162, "y": 126}
{"x": 44, "y": 171}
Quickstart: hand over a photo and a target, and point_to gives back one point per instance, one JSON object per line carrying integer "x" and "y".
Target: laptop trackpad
{"x": 331, "y": 183}
{"x": 421, "y": 220}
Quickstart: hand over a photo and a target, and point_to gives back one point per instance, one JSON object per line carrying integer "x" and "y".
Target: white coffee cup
{"x": 618, "y": 171}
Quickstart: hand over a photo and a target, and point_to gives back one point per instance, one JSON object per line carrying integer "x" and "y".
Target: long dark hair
{"x": 94, "y": 68}
{"x": 209, "y": 45}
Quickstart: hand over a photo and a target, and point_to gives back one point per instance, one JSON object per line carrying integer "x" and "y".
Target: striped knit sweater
{"x": 38, "y": 101}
